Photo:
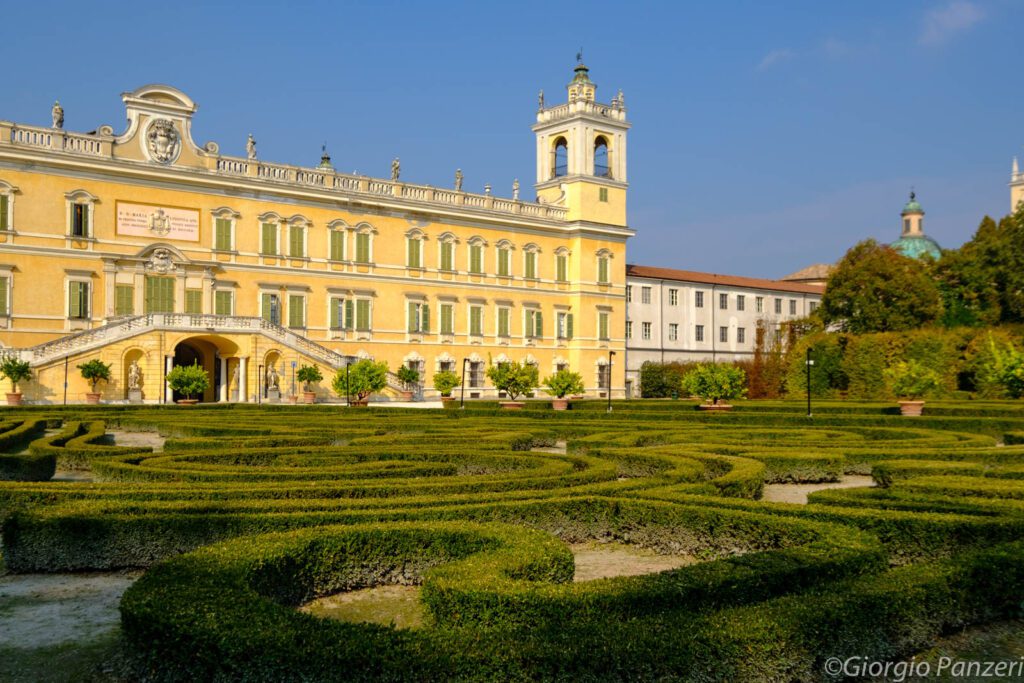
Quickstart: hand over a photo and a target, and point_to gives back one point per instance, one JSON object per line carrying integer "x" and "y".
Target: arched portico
{"x": 218, "y": 356}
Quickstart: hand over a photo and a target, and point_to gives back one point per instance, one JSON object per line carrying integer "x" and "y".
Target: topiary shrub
{"x": 564, "y": 383}
{"x": 515, "y": 379}
{"x": 309, "y": 374}
{"x": 188, "y": 380}
{"x": 361, "y": 379}
{"x": 715, "y": 381}
{"x": 445, "y": 381}
{"x": 95, "y": 371}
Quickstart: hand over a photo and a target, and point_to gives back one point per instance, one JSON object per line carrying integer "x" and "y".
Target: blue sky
{"x": 766, "y": 136}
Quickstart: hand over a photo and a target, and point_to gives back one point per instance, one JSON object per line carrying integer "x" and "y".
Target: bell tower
{"x": 581, "y": 153}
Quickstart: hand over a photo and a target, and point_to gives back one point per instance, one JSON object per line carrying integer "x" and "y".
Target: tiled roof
{"x": 716, "y": 279}
{"x": 818, "y": 271}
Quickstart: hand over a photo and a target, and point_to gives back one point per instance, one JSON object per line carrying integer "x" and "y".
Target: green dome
{"x": 912, "y": 206}
{"x": 917, "y": 246}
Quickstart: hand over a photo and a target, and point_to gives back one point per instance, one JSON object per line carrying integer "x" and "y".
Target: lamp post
{"x": 348, "y": 393}
{"x": 462, "y": 391}
{"x": 611, "y": 354}
{"x": 259, "y": 384}
{"x": 810, "y": 363}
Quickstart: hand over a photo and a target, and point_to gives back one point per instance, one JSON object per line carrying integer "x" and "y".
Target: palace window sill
{"x": 226, "y": 252}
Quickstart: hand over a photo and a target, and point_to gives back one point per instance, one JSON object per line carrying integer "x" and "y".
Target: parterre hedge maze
{"x": 250, "y": 512}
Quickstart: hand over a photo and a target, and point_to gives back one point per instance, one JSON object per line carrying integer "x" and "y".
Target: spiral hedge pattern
{"x": 250, "y": 512}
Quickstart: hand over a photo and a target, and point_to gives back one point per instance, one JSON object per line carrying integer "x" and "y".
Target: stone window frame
{"x": 364, "y": 228}
{"x": 560, "y": 253}
{"x": 336, "y": 227}
{"x": 229, "y": 214}
{"x": 83, "y": 198}
{"x": 87, "y": 277}
{"x": 448, "y": 238}
{"x": 416, "y": 235}
{"x": 7, "y": 190}
{"x": 534, "y": 250}
{"x": 297, "y": 221}
{"x": 606, "y": 255}
{"x": 270, "y": 218}
{"x": 476, "y": 242}
{"x": 7, "y": 271}
{"x": 498, "y": 247}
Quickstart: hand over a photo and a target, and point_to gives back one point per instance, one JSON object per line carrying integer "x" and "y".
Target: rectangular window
{"x": 792, "y": 306}
{"x": 159, "y": 295}
{"x": 562, "y": 268}
{"x": 419, "y": 317}
{"x": 723, "y": 334}
{"x": 268, "y": 239}
{"x": 629, "y": 294}
{"x": 296, "y": 310}
{"x": 673, "y": 331}
{"x": 337, "y": 245}
{"x": 534, "y": 324}
{"x": 503, "y": 316}
{"x": 80, "y": 220}
{"x": 363, "y": 247}
{"x": 504, "y": 262}
{"x": 698, "y": 299}
{"x": 337, "y": 313}
{"x": 741, "y": 302}
{"x": 476, "y": 259}
{"x": 447, "y": 256}
{"x": 78, "y": 300}
{"x": 297, "y": 241}
{"x": 629, "y": 329}
{"x": 699, "y": 333}
{"x": 646, "y": 330}
{"x": 413, "y": 257}
{"x": 223, "y": 302}
{"x": 778, "y": 306}
{"x": 759, "y": 304}
{"x": 124, "y": 299}
{"x": 602, "y": 326}
{"x": 476, "y": 321}
{"x": 741, "y": 335}
{"x": 813, "y": 306}
{"x": 222, "y": 234}
{"x": 5, "y": 212}
{"x": 673, "y": 297}
{"x": 363, "y": 321}
{"x": 476, "y": 374}
{"x": 645, "y": 295}
{"x": 602, "y": 194}
{"x": 723, "y": 302}
{"x": 5, "y": 288}
{"x": 564, "y": 326}
{"x": 194, "y": 301}
{"x": 270, "y": 308}
{"x": 530, "y": 266}
{"x": 447, "y": 319}
{"x": 602, "y": 270}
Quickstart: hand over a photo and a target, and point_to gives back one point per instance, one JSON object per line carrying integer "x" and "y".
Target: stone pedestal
{"x": 273, "y": 395}
{"x": 234, "y": 395}
{"x": 135, "y": 395}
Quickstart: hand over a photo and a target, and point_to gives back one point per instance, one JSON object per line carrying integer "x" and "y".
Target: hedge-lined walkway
{"x": 250, "y": 512}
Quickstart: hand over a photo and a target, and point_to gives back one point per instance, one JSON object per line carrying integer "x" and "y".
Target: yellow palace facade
{"x": 147, "y": 250}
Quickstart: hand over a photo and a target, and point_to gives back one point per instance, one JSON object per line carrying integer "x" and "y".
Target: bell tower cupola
{"x": 581, "y": 152}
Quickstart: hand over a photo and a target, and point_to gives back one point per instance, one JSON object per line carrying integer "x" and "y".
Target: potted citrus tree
{"x": 409, "y": 377}
{"x": 359, "y": 380}
{"x": 444, "y": 382}
{"x": 189, "y": 381}
{"x": 93, "y": 372}
{"x": 561, "y": 384}
{"x": 911, "y": 381}
{"x": 715, "y": 382}
{"x": 17, "y": 371}
{"x": 309, "y": 374}
{"x": 515, "y": 379}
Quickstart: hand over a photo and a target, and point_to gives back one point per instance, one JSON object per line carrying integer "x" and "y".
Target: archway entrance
{"x": 207, "y": 352}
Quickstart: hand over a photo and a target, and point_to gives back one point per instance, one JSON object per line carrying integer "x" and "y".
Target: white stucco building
{"x": 681, "y": 315}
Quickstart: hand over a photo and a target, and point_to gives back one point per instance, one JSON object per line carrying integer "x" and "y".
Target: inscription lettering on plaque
{"x": 152, "y": 220}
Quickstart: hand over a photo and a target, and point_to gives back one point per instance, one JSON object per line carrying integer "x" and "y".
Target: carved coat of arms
{"x": 163, "y": 140}
{"x": 159, "y": 222}
{"x": 160, "y": 261}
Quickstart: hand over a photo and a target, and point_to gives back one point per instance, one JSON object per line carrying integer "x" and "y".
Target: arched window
{"x": 601, "y": 158}
{"x": 561, "y": 158}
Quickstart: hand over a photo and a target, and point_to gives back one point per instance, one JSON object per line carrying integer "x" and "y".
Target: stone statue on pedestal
{"x": 58, "y": 115}
{"x": 273, "y": 379}
{"x": 250, "y": 147}
{"x": 458, "y": 180}
{"x": 515, "y": 189}
{"x": 134, "y": 375}
{"x": 396, "y": 169}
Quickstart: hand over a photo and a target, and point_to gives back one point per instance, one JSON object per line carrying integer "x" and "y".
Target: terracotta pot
{"x": 718, "y": 407}
{"x": 187, "y": 401}
{"x": 91, "y": 398}
{"x": 911, "y": 408}
{"x": 309, "y": 396}
{"x": 511, "y": 405}
{"x": 14, "y": 399}
{"x": 560, "y": 404}
{"x": 293, "y": 399}
{"x": 405, "y": 395}
{"x": 360, "y": 404}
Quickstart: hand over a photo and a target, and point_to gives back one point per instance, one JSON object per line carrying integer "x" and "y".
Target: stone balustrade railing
{"x": 101, "y": 145}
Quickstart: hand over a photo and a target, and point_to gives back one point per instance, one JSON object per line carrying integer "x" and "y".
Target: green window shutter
{"x": 269, "y": 238}
{"x": 337, "y": 245}
{"x": 539, "y": 326}
{"x": 476, "y": 258}
{"x": 78, "y": 304}
{"x": 194, "y": 301}
{"x": 159, "y": 294}
{"x": 503, "y": 322}
{"x": 602, "y": 325}
{"x": 561, "y": 268}
{"x": 265, "y": 306}
{"x": 602, "y": 269}
{"x": 124, "y": 300}
{"x": 529, "y": 322}
{"x": 4, "y": 288}
{"x": 296, "y": 241}
{"x": 425, "y": 318}
{"x": 335, "y": 311}
{"x": 4, "y": 210}
{"x": 531, "y": 266}
{"x": 446, "y": 255}
{"x": 222, "y": 302}
{"x": 363, "y": 248}
{"x": 413, "y": 253}
{"x": 363, "y": 314}
{"x": 348, "y": 314}
{"x": 296, "y": 310}
{"x": 413, "y": 322}
{"x": 222, "y": 237}
{"x": 503, "y": 262}
{"x": 475, "y": 321}
{"x": 568, "y": 326}
{"x": 447, "y": 319}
